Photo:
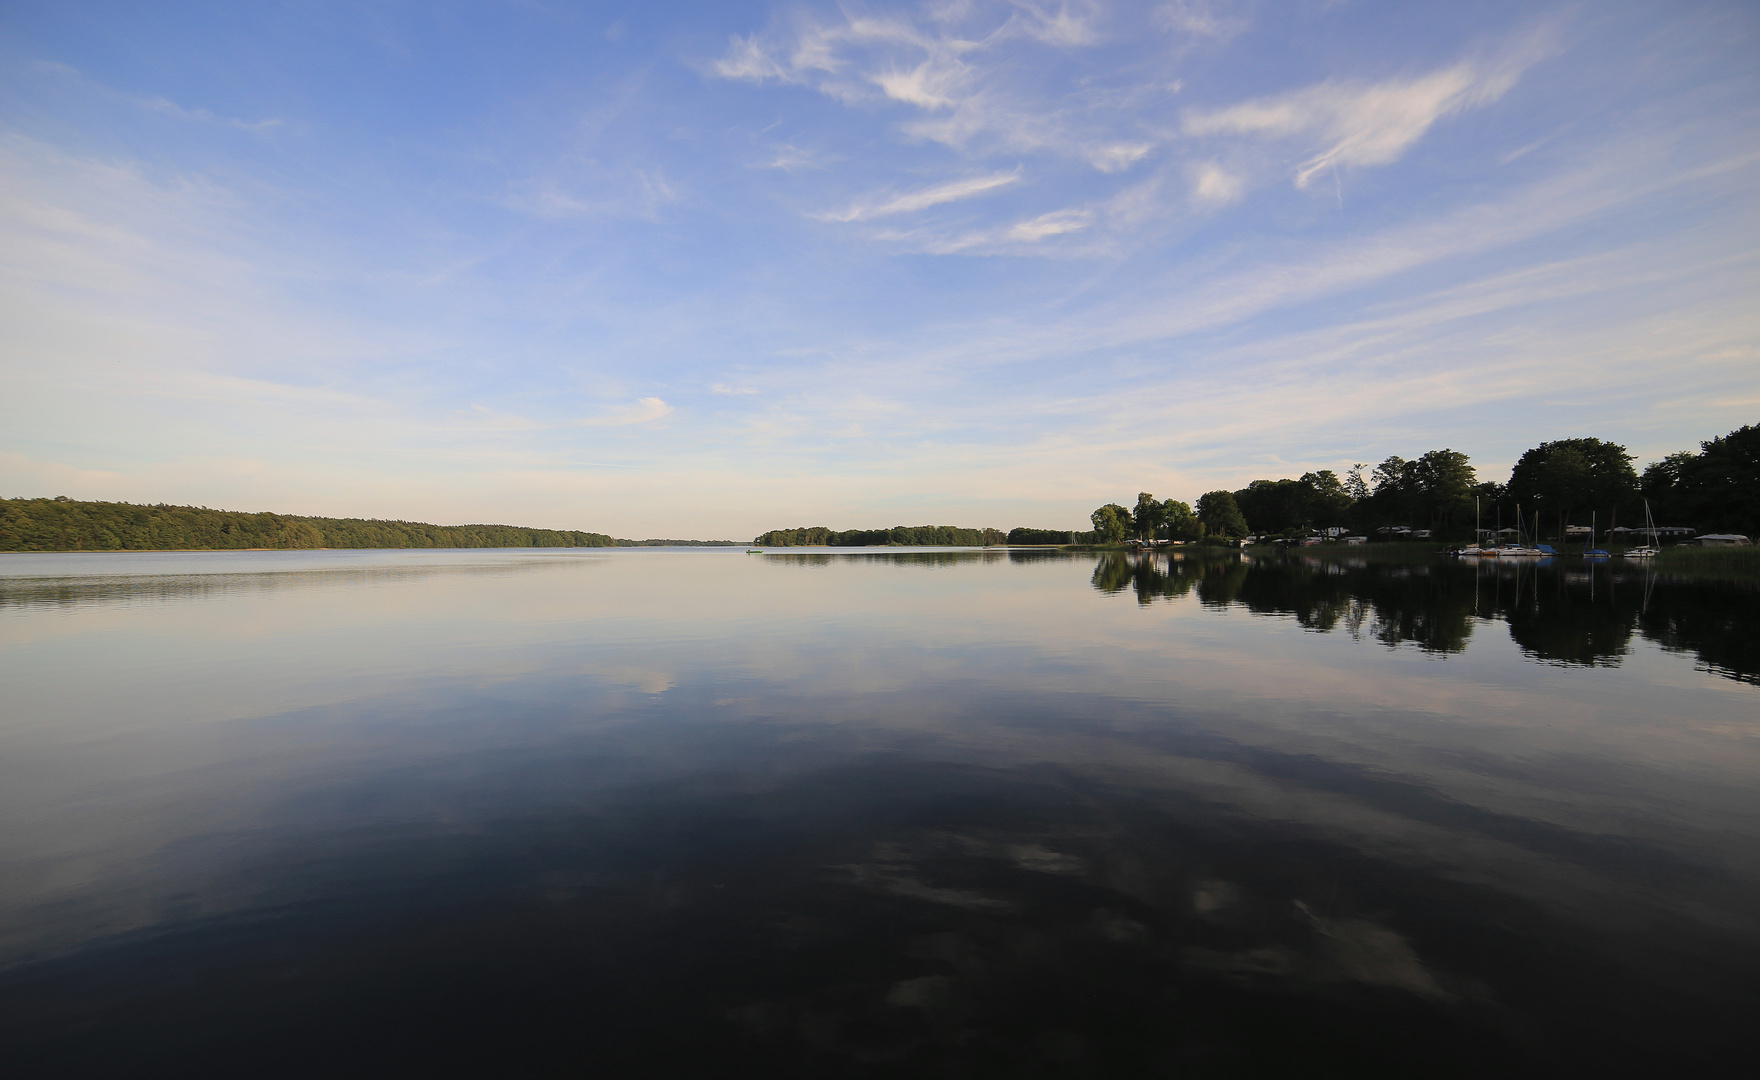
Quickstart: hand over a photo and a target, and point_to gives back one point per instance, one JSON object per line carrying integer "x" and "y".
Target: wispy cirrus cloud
{"x": 199, "y": 115}
{"x": 157, "y": 103}
{"x": 923, "y": 198}
{"x": 643, "y": 411}
{"x": 956, "y": 64}
{"x": 593, "y": 192}
{"x": 1200, "y": 19}
{"x": 791, "y": 158}
{"x": 1362, "y": 124}
{"x": 1056, "y": 223}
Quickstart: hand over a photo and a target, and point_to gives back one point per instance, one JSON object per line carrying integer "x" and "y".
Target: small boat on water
{"x": 1649, "y": 550}
{"x": 1478, "y": 549}
{"x": 1519, "y": 547}
{"x": 1593, "y": 552}
{"x": 754, "y": 551}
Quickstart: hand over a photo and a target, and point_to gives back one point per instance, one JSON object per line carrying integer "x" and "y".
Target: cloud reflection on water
{"x": 923, "y": 801}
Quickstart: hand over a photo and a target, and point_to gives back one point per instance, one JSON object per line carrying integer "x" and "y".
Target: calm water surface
{"x": 703, "y": 813}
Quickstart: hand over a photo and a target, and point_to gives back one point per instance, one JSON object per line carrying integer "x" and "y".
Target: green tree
{"x": 1146, "y": 518}
{"x": 63, "y": 524}
{"x": 1024, "y": 535}
{"x": 1443, "y": 483}
{"x": 1717, "y": 489}
{"x": 1317, "y": 500}
{"x": 1330, "y": 503}
{"x": 1180, "y": 522}
{"x": 1571, "y": 475}
{"x": 1355, "y": 487}
{"x": 1431, "y": 491}
{"x": 1393, "y": 490}
{"x": 1220, "y": 515}
{"x": 1112, "y": 522}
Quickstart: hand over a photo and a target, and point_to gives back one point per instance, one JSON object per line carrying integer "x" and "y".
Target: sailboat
{"x": 1478, "y": 546}
{"x": 1649, "y": 550}
{"x": 1519, "y": 548}
{"x": 1593, "y": 552}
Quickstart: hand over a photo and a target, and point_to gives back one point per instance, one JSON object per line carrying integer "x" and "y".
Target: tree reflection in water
{"x": 1572, "y": 614}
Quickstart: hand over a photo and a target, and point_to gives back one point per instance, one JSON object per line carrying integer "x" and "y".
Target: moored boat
{"x": 1593, "y": 552}
{"x": 1649, "y": 550}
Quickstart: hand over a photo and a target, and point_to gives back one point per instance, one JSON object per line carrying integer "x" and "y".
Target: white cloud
{"x": 1199, "y": 18}
{"x": 581, "y": 190}
{"x": 1213, "y": 185}
{"x": 1118, "y": 157}
{"x": 645, "y": 410}
{"x": 790, "y": 158}
{"x": 748, "y": 58}
{"x": 1055, "y": 223}
{"x": 1065, "y": 24}
{"x": 929, "y": 85}
{"x": 204, "y": 116}
{"x": 725, "y": 390}
{"x": 924, "y": 198}
{"x": 967, "y": 63}
{"x": 1366, "y": 124}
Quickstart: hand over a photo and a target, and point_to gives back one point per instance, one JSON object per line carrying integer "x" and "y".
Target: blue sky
{"x": 703, "y": 270}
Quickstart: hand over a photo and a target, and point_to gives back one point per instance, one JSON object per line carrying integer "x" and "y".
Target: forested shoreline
{"x": 1566, "y": 482}
{"x": 1558, "y": 483}
{"x": 1555, "y": 485}
{"x": 63, "y": 524}
{"x": 896, "y": 536}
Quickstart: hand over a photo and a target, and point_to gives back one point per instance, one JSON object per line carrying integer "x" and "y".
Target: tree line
{"x": 63, "y": 524}
{"x": 897, "y": 536}
{"x": 1713, "y": 489}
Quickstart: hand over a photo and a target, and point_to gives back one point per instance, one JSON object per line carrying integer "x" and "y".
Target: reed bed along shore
{"x": 1729, "y": 563}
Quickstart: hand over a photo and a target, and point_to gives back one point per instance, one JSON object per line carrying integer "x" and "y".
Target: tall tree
{"x": 1220, "y": 515}
{"x": 1146, "y": 518}
{"x": 1317, "y": 500}
{"x": 1716, "y": 489}
{"x": 1112, "y": 522}
{"x": 1393, "y": 498}
{"x": 1444, "y": 485}
{"x": 1354, "y": 484}
{"x": 1180, "y": 522}
{"x": 1573, "y": 475}
{"x": 1331, "y": 501}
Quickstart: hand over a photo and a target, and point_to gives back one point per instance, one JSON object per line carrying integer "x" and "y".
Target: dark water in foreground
{"x": 703, "y": 813}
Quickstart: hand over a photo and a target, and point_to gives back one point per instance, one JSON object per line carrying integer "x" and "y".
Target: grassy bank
{"x": 1740, "y": 564}
{"x": 1726, "y": 563}
{"x": 1396, "y": 550}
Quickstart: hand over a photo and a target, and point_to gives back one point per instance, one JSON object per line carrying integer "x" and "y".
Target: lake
{"x": 658, "y": 812}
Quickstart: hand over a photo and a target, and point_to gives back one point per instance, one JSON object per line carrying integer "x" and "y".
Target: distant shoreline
{"x": 67, "y": 525}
